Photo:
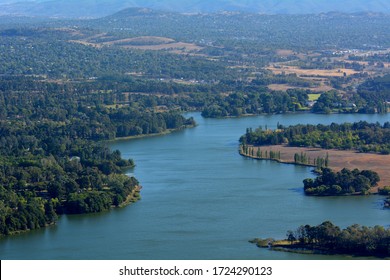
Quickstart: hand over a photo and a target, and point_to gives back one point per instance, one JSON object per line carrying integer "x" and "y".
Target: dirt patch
{"x": 284, "y": 87}
{"x": 339, "y": 72}
{"x": 144, "y": 40}
{"x": 170, "y": 46}
{"x": 284, "y": 52}
{"x": 141, "y": 43}
{"x": 338, "y": 159}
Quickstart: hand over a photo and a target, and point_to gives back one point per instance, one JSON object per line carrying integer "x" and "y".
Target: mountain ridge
{"x": 101, "y": 8}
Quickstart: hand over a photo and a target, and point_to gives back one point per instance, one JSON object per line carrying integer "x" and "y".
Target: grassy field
{"x": 142, "y": 43}
{"x": 314, "y": 96}
{"x": 322, "y": 78}
{"x": 338, "y": 159}
{"x": 338, "y": 72}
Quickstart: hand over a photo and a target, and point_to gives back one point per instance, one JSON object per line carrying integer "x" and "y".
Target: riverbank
{"x": 134, "y": 196}
{"x": 338, "y": 159}
{"x": 165, "y": 132}
{"x": 286, "y": 246}
{"x": 327, "y": 239}
{"x": 17, "y": 232}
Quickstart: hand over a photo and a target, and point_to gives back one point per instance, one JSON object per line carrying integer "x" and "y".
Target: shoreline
{"x": 275, "y": 159}
{"x": 14, "y": 233}
{"x": 286, "y": 246}
{"x": 133, "y": 197}
{"x": 140, "y": 136}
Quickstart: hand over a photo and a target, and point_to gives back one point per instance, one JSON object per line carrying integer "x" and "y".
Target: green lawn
{"x": 314, "y": 96}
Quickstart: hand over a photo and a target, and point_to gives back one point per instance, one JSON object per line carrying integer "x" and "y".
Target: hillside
{"x": 100, "y": 8}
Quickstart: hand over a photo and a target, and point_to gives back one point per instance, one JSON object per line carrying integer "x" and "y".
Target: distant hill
{"x": 100, "y": 8}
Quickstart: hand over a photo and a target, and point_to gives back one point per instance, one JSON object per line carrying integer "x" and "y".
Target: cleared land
{"x": 322, "y": 77}
{"x": 338, "y": 159}
{"x": 314, "y": 97}
{"x": 284, "y": 87}
{"x": 339, "y": 72}
{"x": 283, "y": 52}
{"x": 142, "y": 43}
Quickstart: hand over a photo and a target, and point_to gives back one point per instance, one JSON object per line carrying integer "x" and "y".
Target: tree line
{"x": 354, "y": 240}
{"x": 53, "y": 158}
{"x": 361, "y": 136}
{"x": 341, "y": 183}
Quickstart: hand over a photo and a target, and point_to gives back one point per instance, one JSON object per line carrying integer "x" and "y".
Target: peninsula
{"x": 327, "y": 238}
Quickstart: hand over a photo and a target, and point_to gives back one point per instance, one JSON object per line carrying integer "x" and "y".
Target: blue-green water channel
{"x": 202, "y": 200}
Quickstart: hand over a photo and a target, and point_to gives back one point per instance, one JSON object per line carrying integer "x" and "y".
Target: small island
{"x": 327, "y": 238}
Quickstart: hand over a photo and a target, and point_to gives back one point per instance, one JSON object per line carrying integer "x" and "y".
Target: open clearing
{"x": 142, "y": 43}
{"x": 339, "y": 159}
{"x": 339, "y": 72}
{"x": 284, "y": 87}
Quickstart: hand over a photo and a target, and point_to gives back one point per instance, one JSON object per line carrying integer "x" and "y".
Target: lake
{"x": 202, "y": 200}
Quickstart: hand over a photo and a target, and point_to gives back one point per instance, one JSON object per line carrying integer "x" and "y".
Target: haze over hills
{"x": 100, "y": 8}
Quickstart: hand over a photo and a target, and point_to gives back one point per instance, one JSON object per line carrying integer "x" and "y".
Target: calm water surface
{"x": 202, "y": 200}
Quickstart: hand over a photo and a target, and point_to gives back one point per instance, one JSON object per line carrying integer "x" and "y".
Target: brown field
{"x": 339, "y": 159}
{"x": 284, "y": 87}
{"x": 311, "y": 72}
{"x": 144, "y": 40}
{"x": 169, "y": 46}
{"x": 365, "y": 63}
{"x": 284, "y": 52}
{"x": 142, "y": 43}
{"x": 320, "y": 76}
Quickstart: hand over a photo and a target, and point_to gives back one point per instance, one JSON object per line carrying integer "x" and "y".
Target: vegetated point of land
{"x": 338, "y": 159}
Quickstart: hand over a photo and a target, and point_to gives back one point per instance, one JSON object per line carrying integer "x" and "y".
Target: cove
{"x": 202, "y": 200}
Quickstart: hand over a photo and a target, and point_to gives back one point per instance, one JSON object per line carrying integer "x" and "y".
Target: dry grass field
{"x": 310, "y": 72}
{"x": 141, "y": 43}
{"x": 339, "y": 159}
{"x": 284, "y": 52}
{"x": 284, "y": 87}
{"x": 321, "y": 77}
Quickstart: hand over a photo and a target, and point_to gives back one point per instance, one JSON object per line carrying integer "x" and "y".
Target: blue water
{"x": 202, "y": 200}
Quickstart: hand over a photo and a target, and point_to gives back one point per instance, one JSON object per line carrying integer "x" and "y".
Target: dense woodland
{"x": 228, "y": 62}
{"x": 361, "y": 136}
{"x": 354, "y": 240}
{"x": 249, "y": 31}
{"x": 341, "y": 183}
{"x": 52, "y": 157}
{"x": 371, "y": 96}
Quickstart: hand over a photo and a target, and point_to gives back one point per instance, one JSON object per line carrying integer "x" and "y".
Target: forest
{"x": 341, "y": 183}
{"x": 222, "y": 58}
{"x": 67, "y": 86}
{"x": 327, "y": 238}
{"x": 53, "y": 156}
{"x": 361, "y": 136}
